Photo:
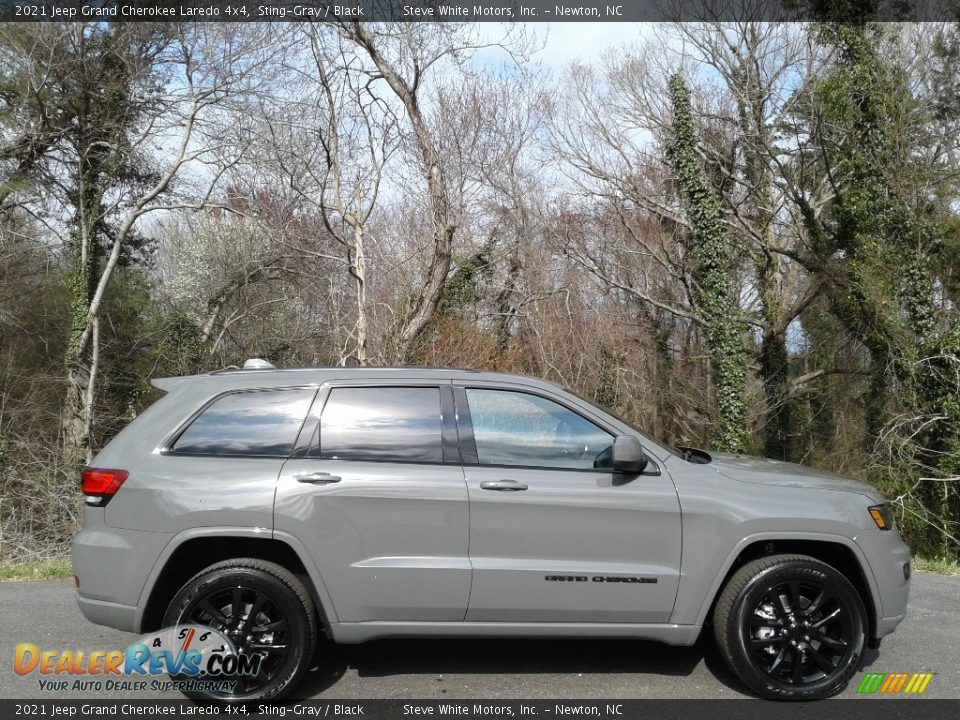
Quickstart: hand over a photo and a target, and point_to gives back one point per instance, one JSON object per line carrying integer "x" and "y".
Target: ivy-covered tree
{"x": 876, "y": 242}
{"x": 710, "y": 249}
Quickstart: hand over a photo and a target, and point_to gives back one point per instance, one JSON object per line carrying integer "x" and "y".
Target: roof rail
{"x": 267, "y": 366}
{"x": 250, "y": 364}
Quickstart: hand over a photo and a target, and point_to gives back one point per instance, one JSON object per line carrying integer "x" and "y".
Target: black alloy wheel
{"x": 791, "y": 627}
{"x": 799, "y": 632}
{"x": 265, "y": 611}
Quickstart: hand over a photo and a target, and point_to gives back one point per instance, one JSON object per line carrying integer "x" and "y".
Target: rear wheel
{"x": 264, "y": 610}
{"x": 791, "y": 627}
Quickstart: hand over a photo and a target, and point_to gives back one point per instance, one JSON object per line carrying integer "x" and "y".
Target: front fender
{"x": 711, "y": 586}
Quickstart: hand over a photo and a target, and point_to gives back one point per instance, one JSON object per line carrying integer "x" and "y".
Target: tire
{"x": 762, "y": 637}
{"x": 284, "y": 606}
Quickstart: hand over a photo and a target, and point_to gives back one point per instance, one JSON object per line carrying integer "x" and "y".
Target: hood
{"x": 777, "y": 472}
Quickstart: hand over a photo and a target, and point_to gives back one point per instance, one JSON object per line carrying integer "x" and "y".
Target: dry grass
{"x": 45, "y": 570}
{"x": 940, "y": 566}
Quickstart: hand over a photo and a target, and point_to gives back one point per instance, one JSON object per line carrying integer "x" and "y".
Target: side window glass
{"x": 260, "y": 423}
{"x": 381, "y": 423}
{"x": 514, "y": 428}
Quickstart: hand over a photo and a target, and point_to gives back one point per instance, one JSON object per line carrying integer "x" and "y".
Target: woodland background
{"x": 744, "y": 237}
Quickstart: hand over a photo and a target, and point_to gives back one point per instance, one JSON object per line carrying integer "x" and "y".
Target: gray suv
{"x": 279, "y": 506}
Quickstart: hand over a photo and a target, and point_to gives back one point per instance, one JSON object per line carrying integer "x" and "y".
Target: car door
{"x": 555, "y": 534}
{"x": 378, "y": 496}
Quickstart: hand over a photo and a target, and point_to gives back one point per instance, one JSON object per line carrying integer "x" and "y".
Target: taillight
{"x": 99, "y": 484}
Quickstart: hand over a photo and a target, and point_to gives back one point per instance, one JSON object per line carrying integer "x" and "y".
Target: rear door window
{"x": 399, "y": 424}
{"x": 262, "y": 423}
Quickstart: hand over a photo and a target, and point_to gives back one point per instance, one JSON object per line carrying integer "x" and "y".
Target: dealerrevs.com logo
{"x": 196, "y": 658}
{"x": 894, "y": 683}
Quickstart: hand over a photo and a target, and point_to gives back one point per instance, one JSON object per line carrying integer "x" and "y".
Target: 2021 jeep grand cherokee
{"x": 276, "y": 505}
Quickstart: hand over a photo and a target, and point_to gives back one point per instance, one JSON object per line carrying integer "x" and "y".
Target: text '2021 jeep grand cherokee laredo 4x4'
{"x": 275, "y": 505}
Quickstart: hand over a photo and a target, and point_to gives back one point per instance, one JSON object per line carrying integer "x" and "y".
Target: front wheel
{"x": 265, "y": 611}
{"x": 791, "y": 627}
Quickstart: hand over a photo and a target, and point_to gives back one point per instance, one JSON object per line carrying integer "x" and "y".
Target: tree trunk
{"x": 425, "y": 305}
{"x": 81, "y": 360}
{"x": 359, "y": 272}
{"x": 774, "y": 371}
{"x": 504, "y": 302}
{"x": 76, "y": 447}
{"x": 710, "y": 251}
{"x": 774, "y": 364}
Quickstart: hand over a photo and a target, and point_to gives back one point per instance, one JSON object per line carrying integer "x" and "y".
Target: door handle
{"x": 503, "y": 485}
{"x": 320, "y": 478}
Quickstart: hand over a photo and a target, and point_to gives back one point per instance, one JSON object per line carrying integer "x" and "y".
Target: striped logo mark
{"x": 894, "y": 683}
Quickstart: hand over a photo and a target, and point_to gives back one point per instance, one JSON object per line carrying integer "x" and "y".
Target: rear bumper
{"x": 111, "y": 566}
{"x": 106, "y": 613}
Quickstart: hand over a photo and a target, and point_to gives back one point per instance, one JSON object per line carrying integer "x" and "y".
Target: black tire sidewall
{"x": 279, "y": 593}
{"x": 747, "y": 601}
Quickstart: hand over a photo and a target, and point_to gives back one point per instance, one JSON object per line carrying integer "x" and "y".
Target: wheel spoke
{"x": 777, "y": 662}
{"x": 835, "y": 643}
{"x": 784, "y": 606}
{"x": 236, "y": 604}
{"x": 258, "y": 603}
{"x": 797, "y": 674}
{"x": 822, "y": 621}
{"x": 820, "y": 660}
{"x": 760, "y": 621}
{"x": 795, "y": 597}
{"x": 275, "y": 649}
{"x": 268, "y": 676}
{"x": 211, "y": 611}
{"x": 810, "y": 609}
{"x": 270, "y": 626}
{"x": 779, "y": 608}
{"x": 772, "y": 640}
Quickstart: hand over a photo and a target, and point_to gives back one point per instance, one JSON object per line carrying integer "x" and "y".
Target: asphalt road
{"x": 45, "y": 613}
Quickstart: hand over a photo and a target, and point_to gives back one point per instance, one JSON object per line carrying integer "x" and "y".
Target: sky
{"x": 567, "y": 42}
{"x": 562, "y": 43}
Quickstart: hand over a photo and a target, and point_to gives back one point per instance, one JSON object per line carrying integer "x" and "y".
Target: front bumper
{"x": 887, "y": 625}
{"x": 889, "y": 560}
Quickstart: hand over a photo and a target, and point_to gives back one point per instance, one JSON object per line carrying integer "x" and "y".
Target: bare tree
{"x": 127, "y": 93}
{"x": 491, "y": 126}
{"x": 330, "y": 137}
{"x": 402, "y": 56}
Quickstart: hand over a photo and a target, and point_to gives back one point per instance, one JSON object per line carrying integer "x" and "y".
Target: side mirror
{"x": 628, "y": 455}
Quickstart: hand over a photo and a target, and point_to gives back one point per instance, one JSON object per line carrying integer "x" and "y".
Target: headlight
{"x": 881, "y": 516}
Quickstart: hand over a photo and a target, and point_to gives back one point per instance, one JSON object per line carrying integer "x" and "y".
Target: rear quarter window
{"x": 261, "y": 423}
